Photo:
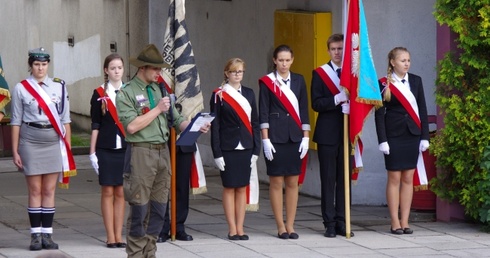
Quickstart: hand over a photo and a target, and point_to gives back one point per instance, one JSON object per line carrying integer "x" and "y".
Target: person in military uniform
{"x": 143, "y": 109}
{"x": 41, "y": 142}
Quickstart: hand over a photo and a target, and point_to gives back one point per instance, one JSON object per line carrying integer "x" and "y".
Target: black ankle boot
{"x": 48, "y": 242}
{"x": 35, "y": 242}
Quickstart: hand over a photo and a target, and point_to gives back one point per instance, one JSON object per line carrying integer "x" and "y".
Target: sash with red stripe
{"x": 321, "y": 71}
{"x": 289, "y": 107}
{"x": 236, "y": 107}
{"x": 69, "y": 169}
{"x": 326, "y": 79}
{"x": 112, "y": 109}
{"x": 253, "y": 186}
{"x": 420, "y": 180}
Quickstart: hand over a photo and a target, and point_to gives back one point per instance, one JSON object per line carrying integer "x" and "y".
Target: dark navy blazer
{"x": 227, "y": 129}
{"x": 393, "y": 119}
{"x": 282, "y": 127}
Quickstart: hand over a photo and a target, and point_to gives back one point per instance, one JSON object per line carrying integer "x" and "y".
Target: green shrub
{"x": 463, "y": 94}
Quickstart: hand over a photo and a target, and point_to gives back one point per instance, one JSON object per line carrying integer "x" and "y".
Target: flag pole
{"x": 346, "y": 177}
{"x": 173, "y": 185}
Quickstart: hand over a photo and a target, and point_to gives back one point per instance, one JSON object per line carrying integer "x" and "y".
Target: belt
{"x": 41, "y": 126}
{"x": 157, "y": 146}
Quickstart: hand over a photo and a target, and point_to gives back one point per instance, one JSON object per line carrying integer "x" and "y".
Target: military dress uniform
{"x": 38, "y": 139}
{"x": 38, "y": 142}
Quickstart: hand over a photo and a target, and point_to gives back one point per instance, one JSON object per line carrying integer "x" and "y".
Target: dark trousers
{"x": 331, "y": 159}
{"x": 183, "y": 167}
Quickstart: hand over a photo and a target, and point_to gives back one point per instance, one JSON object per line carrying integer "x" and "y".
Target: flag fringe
{"x": 420, "y": 188}
{"x": 63, "y": 185}
{"x": 252, "y": 207}
{"x": 70, "y": 173}
{"x": 375, "y": 103}
{"x": 200, "y": 190}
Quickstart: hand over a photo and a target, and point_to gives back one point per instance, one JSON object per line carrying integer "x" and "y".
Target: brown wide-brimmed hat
{"x": 149, "y": 56}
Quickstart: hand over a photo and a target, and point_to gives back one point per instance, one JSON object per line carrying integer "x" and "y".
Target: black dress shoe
{"x": 243, "y": 237}
{"x": 121, "y": 245}
{"x": 111, "y": 245}
{"x": 163, "y": 238}
{"x": 182, "y": 236}
{"x": 398, "y": 231}
{"x": 234, "y": 237}
{"x": 293, "y": 235}
{"x": 284, "y": 235}
{"x": 407, "y": 231}
{"x": 330, "y": 232}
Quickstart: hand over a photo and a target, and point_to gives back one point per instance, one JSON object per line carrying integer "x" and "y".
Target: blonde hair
{"x": 391, "y": 56}
{"x": 232, "y": 64}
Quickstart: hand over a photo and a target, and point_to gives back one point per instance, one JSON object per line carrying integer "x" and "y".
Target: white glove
{"x": 253, "y": 160}
{"x": 95, "y": 162}
{"x": 268, "y": 149}
{"x": 346, "y": 108}
{"x": 340, "y": 97}
{"x": 303, "y": 147}
{"x": 385, "y": 148}
{"x": 424, "y": 145}
{"x": 220, "y": 163}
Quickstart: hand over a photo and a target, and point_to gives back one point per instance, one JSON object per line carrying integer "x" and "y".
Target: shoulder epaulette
{"x": 125, "y": 84}
{"x": 58, "y": 80}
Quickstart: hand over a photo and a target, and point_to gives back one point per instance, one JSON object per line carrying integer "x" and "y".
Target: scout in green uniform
{"x": 143, "y": 109}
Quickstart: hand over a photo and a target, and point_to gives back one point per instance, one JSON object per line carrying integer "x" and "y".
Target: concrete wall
{"x": 94, "y": 24}
{"x": 218, "y": 30}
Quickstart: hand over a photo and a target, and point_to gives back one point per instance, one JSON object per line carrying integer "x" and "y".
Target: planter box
{"x": 5, "y": 138}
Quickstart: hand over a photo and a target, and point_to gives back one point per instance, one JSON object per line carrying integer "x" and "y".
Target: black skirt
{"x": 237, "y": 168}
{"x": 286, "y": 161}
{"x": 404, "y": 152}
{"x": 110, "y": 166}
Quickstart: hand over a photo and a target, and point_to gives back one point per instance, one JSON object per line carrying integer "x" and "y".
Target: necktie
{"x": 338, "y": 72}
{"x": 150, "y": 96}
{"x": 403, "y": 81}
{"x": 285, "y": 81}
{"x": 239, "y": 91}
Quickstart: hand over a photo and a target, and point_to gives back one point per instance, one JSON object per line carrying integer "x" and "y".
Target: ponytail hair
{"x": 391, "y": 56}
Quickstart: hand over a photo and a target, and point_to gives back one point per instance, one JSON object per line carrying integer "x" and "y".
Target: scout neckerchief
{"x": 242, "y": 108}
{"x": 273, "y": 85}
{"x": 408, "y": 101}
{"x": 111, "y": 108}
{"x": 69, "y": 167}
{"x": 332, "y": 81}
{"x": 197, "y": 179}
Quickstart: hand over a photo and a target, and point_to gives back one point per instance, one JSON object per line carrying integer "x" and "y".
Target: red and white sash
{"x": 111, "y": 108}
{"x": 243, "y": 109}
{"x": 48, "y": 107}
{"x": 408, "y": 101}
{"x": 291, "y": 104}
{"x": 332, "y": 81}
{"x": 197, "y": 177}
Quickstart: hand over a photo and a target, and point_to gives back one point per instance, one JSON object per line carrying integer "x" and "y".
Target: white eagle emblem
{"x": 355, "y": 55}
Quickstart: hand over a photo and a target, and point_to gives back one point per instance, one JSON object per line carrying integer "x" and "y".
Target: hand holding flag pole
{"x": 360, "y": 80}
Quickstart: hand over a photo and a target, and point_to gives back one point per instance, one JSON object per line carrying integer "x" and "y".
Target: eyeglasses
{"x": 239, "y": 72}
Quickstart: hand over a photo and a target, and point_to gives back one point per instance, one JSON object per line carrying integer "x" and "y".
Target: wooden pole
{"x": 173, "y": 185}
{"x": 346, "y": 177}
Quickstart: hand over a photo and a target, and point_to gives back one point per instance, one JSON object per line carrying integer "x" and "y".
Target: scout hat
{"x": 149, "y": 56}
{"x": 38, "y": 54}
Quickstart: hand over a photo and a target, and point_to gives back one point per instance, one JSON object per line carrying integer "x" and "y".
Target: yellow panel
{"x": 306, "y": 33}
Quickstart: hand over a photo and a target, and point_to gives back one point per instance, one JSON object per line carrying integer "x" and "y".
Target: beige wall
{"x": 218, "y": 30}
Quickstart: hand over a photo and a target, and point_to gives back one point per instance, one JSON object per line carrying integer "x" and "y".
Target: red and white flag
{"x": 358, "y": 76}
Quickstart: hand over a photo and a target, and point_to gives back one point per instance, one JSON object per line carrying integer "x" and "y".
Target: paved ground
{"x": 80, "y": 233}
